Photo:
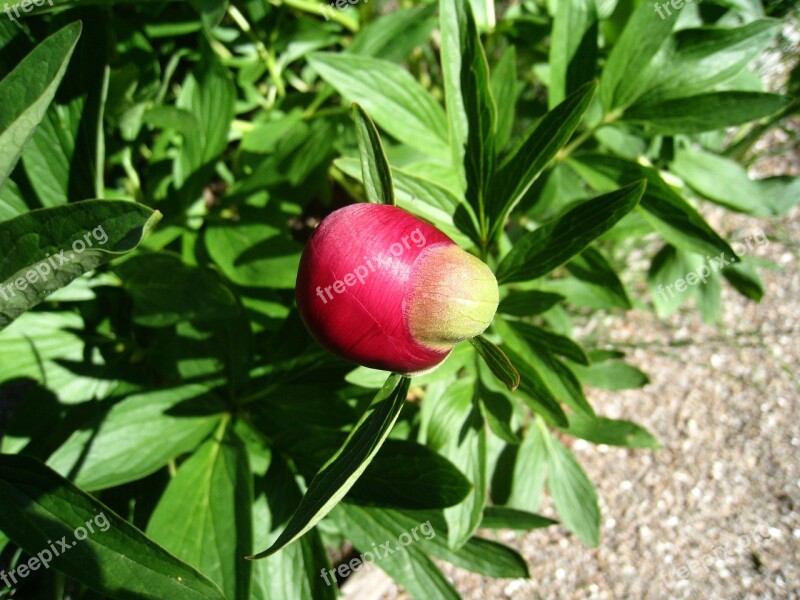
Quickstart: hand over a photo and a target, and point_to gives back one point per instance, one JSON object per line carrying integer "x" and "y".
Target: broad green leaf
{"x": 375, "y": 171}
{"x": 666, "y": 211}
{"x": 12, "y": 203}
{"x": 534, "y": 152}
{"x": 165, "y": 290}
{"x": 467, "y": 451}
{"x": 116, "y": 559}
{"x": 706, "y": 112}
{"x": 211, "y": 11}
{"x": 391, "y": 96}
{"x": 525, "y": 304}
{"x": 395, "y": 34}
{"x": 630, "y": 67}
{"x": 208, "y": 93}
{"x": 501, "y": 517}
{"x": 721, "y": 180}
{"x": 611, "y": 375}
{"x": 294, "y": 572}
{"x": 470, "y": 106}
{"x": 699, "y": 59}
{"x": 573, "y": 49}
{"x": 344, "y": 468}
{"x": 551, "y": 245}
{"x": 500, "y": 365}
{"x": 409, "y": 475}
{"x": 204, "y": 515}
{"x": 27, "y": 92}
{"x": 504, "y": 92}
{"x": 428, "y": 530}
{"x": 613, "y": 432}
{"x": 534, "y": 392}
{"x": 406, "y": 561}
{"x": 45, "y": 249}
{"x": 254, "y": 251}
{"x": 49, "y": 347}
{"x": 572, "y": 493}
{"x": 530, "y": 472}
{"x": 137, "y": 436}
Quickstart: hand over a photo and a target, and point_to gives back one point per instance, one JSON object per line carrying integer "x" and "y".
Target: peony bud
{"x": 382, "y": 288}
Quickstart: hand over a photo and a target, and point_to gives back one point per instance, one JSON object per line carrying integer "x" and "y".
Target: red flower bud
{"x": 382, "y": 288}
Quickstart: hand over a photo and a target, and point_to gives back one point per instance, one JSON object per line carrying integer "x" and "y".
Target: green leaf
{"x": 391, "y": 96}
{"x": 573, "y": 494}
{"x": 498, "y": 362}
{"x": 477, "y": 555}
{"x": 534, "y": 152}
{"x": 573, "y": 49}
{"x": 699, "y": 59}
{"x": 470, "y": 107}
{"x": 706, "y": 112}
{"x": 209, "y": 94}
{"x": 254, "y": 251}
{"x": 467, "y": 451}
{"x": 165, "y": 291}
{"x": 666, "y": 211}
{"x": 504, "y": 92}
{"x": 499, "y": 413}
{"x": 611, "y": 375}
{"x": 525, "y": 304}
{"x": 394, "y": 35}
{"x": 411, "y": 567}
{"x": 137, "y": 436}
{"x": 542, "y": 250}
{"x": 613, "y": 432}
{"x": 559, "y": 344}
{"x": 204, "y": 515}
{"x": 344, "y": 468}
{"x": 409, "y": 475}
{"x": 27, "y": 92}
{"x": 118, "y": 561}
{"x": 632, "y": 63}
{"x": 501, "y": 517}
{"x": 45, "y": 249}
{"x": 530, "y": 472}
{"x": 595, "y": 275}
{"x": 721, "y": 180}
{"x": 49, "y": 347}
{"x": 746, "y": 281}
{"x": 294, "y": 572}
{"x": 377, "y": 176}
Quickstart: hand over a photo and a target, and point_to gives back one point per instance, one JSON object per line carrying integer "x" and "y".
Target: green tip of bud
{"x": 453, "y": 297}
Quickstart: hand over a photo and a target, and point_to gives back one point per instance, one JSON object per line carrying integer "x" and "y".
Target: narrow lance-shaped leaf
{"x": 115, "y": 559}
{"x": 27, "y": 92}
{"x": 706, "y": 112}
{"x": 471, "y": 108}
{"x": 534, "y": 152}
{"x": 542, "y": 250}
{"x": 497, "y": 361}
{"x": 341, "y": 472}
{"x": 573, "y": 50}
{"x": 45, "y": 249}
{"x": 629, "y": 68}
{"x": 374, "y": 166}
